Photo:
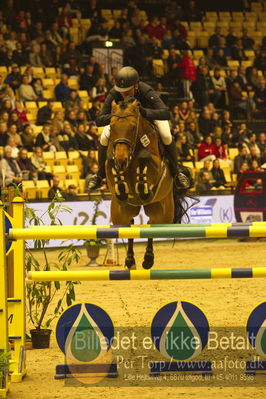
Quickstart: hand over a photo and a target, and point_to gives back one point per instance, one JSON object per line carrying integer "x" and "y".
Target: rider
{"x": 152, "y": 108}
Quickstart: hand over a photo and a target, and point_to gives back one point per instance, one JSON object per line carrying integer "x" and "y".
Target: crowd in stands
{"x": 52, "y": 87}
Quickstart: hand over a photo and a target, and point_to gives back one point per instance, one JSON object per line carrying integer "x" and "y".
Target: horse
{"x": 137, "y": 174}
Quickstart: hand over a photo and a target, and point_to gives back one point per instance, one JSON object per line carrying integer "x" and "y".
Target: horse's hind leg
{"x": 149, "y": 255}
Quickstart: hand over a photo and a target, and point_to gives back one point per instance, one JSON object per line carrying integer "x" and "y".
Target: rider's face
{"x": 130, "y": 92}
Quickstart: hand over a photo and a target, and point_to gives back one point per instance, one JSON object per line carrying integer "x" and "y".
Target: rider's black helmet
{"x": 126, "y": 78}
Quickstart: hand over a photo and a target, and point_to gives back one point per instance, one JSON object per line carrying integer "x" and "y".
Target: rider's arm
{"x": 155, "y": 109}
{"x": 104, "y": 116}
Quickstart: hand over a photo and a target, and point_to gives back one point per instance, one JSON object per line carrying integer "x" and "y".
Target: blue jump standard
{"x": 68, "y": 370}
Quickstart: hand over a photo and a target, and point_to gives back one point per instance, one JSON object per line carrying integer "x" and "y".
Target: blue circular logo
{"x": 180, "y": 331}
{"x": 256, "y": 329}
{"x": 84, "y": 333}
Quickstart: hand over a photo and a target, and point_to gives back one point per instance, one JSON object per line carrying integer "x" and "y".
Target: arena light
{"x": 108, "y": 43}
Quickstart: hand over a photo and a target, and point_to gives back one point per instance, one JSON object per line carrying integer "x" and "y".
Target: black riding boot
{"x": 181, "y": 181}
{"x": 96, "y": 181}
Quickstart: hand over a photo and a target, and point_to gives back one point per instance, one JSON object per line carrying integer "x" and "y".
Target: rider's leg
{"x": 181, "y": 180}
{"x": 96, "y": 180}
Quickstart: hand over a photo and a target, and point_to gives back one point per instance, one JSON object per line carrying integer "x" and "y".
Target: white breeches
{"x": 163, "y": 127}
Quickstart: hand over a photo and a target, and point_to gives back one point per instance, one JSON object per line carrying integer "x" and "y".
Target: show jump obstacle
{"x": 12, "y": 267}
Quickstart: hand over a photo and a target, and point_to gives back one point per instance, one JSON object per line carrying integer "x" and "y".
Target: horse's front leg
{"x": 130, "y": 262}
{"x": 149, "y": 255}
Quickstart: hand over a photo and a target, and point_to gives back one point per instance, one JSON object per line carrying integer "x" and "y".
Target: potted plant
{"x": 41, "y": 309}
{"x": 4, "y": 368}
{"x": 93, "y": 245}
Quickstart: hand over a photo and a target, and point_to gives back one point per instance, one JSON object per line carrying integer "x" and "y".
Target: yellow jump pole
{"x": 16, "y": 305}
{"x": 4, "y": 382}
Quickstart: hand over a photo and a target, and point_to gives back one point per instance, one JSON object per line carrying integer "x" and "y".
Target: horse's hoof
{"x": 148, "y": 261}
{"x": 130, "y": 263}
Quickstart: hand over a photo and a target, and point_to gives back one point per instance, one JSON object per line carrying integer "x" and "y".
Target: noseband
{"x": 131, "y": 144}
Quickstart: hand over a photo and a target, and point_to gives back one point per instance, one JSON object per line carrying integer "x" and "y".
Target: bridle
{"x": 131, "y": 144}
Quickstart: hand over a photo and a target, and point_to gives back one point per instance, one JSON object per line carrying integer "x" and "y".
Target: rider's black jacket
{"x": 152, "y": 105}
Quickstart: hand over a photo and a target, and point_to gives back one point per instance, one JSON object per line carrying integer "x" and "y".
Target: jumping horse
{"x": 137, "y": 174}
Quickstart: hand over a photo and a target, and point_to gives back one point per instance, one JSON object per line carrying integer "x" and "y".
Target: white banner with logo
{"x": 216, "y": 209}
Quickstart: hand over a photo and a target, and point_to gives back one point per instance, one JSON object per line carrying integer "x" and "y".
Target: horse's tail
{"x": 184, "y": 200}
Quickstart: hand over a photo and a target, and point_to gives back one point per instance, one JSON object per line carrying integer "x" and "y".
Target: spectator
{"x": 178, "y": 26}
{"x": 260, "y": 60}
{"x": 38, "y": 88}
{"x": 240, "y": 158}
{"x": 46, "y": 56}
{"x": 99, "y": 91}
{"x": 14, "y": 120}
{"x": 226, "y": 119}
{"x": 44, "y": 114}
{"x": 3, "y": 134}
{"x": 62, "y": 90}
{"x": 58, "y": 121}
{"x": 71, "y": 194}
{"x": 116, "y": 31}
{"x": 12, "y": 132}
{"x": 39, "y": 165}
{"x": 10, "y": 170}
{"x": 14, "y": 78}
{"x": 241, "y": 78}
{"x": 218, "y": 175}
{"x": 260, "y": 96}
{"x": 27, "y": 137}
{"x": 231, "y": 37}
{"x": 206, "y": 150}
{"x": 193, "y": 12}
{"x": 94, "y": 110}
{"x": 204, "y": 185}
{"x": 214, "y": 39}
{"x": 231, "y": 79}
{"x": 93, "y": 171}
{"x": 66, "y": 137}
{"x": 173, "y": 62}
{"x": 204, "y": 90}
{"x": 25, "y": 165}
{"x": 228, "y": 137}
{"x": 247, "y": 41}
{"x": 243, "y": 168}
{"x": 254, "y": 155}
{"x": 205, "y": 123}
{"x": 237, "y": 51}
{"x": 253, "y": 78}
{"x": 220, "y": 58}
{"x": 64, "y": 21}
{"x": 34, "y": 57}
{"x": 184, "y": 111}
{"x": 9, "y": 95}
{"x": 88, "y": 79}
{"x": 13, "y": 145}
{"x": 220, "y": 88}
{"x": 206, "y": 168}
{"x": 72, "y": 119}
{"x": 250, "y": 141}
{"x": 21, "y": 112}
{"x": 25, "y": 91}
{"x": 72, "y": 102}
{"x": 220, "y": 149}
{"x": 209, "y": 58}
{"x": 43, "y": 139}
{"x": 188, "y": 74}
{"x": 56, "y": 190}
{"x": 194, "y": 132}
{"x": 84, "y": 141}
{"x": 185, "y": 153}
{"x": 238, "y": 101}
{"x": 255, "y": 167}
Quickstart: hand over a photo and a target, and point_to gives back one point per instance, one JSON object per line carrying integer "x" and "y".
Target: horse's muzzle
{"x": 121, "y": 156}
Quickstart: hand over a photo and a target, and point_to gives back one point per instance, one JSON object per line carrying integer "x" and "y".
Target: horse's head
{"x": 124, "y": 131}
